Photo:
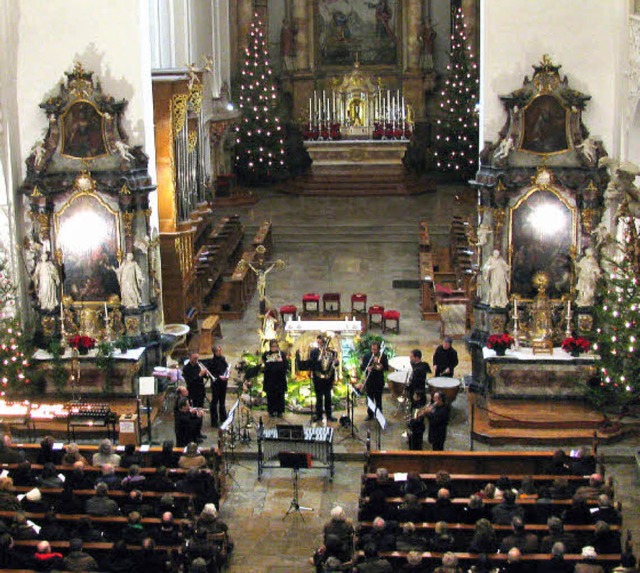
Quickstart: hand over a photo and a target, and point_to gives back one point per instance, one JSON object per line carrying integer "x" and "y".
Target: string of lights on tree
{"x": 259, "y": 150}
{"x": 456, "y": 145}
{"x": 14, "y": 364}
{"x": 618, "y": 326}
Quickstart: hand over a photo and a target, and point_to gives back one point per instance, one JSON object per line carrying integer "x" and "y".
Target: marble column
{"x": 301, "y": 22}
{"x": 413, "y": 18}
{"x": 245, "y": 17}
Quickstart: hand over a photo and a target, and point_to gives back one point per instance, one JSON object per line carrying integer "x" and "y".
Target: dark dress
{"x": 195, "y": 384}
{"x": 438, "y": 421}
{"x": 443, "y": 359}
{"x": 218, "y": 366}
{"x": 322, "y": 365}
{"x": 276, "y": 367}
{"x": 374, "y": 385}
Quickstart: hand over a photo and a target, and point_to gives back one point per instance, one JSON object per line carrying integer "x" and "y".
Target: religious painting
{"x": 545, "y": 126}
{"x": 366, "y": 30}
{"x": 82, "y": 132}
{"x": 88, "y": 235}
{"x": 542, "y": 232}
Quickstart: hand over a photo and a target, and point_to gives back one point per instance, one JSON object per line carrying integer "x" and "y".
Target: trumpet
{"x": 206, "y": 371}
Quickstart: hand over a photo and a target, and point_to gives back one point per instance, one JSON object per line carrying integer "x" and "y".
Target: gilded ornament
{"x": 132, "y": 325}
{"x": 124, "y": 190}
{"x": 48, "y": 325}
{"x": 193, "y": 141}
{"x": 492, "y": 369}
{"x": 45, "y": 225}
{"x": 585, "y": 322}
{"x": 178, "y": 113}
{"x": 587, "y": 216}
{"x": 127, "y": 219}
{"x": 498, "y": 220}
{"x": 36, "y": 192}
{"x": 497, "y": 323}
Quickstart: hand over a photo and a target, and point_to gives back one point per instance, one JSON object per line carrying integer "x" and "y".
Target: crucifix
{"x": 261, "y": 270}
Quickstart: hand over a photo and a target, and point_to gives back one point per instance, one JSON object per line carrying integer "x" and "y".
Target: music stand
{"x": 295, "y": 461}
{"x": 352, "y": 394}
{"x": 147, "y": 386}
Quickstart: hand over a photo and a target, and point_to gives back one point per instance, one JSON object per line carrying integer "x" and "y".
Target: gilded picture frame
{"x": 83, "y": 134}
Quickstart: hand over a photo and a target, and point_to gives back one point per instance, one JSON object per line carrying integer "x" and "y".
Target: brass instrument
{"x": 373, "y": 362}
{"x": 207, "y": 372}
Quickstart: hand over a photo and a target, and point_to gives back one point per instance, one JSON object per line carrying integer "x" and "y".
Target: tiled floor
{"x": 346, "y": 246}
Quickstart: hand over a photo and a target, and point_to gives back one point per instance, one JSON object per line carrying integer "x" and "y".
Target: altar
{"x": 88, "y": 378}
{"x": 521, "y": 374}
{"x": 352, "y": 152}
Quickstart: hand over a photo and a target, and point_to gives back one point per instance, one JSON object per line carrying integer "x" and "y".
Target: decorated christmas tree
{"x": 259, "y": 151}
{"x": 456, "y": 145}
{"x": 618, "y": 327}
{"x": 14, "y": 365}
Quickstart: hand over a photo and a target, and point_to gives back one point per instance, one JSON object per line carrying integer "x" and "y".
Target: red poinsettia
{"x": 576, "y": 344}
{"x": 500, "y": 341}
{"x": 81, "y": 342}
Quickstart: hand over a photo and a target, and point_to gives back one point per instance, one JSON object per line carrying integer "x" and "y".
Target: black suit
{"x": 417, "y": 383}
{"x": 322, "y": 364}
{"x": 276, "y": 367}
{"x": 438, "y": 420}
{"x": 218, "y": 366}
{"x": 443, "y": 359}
{"x": 375, "y": 379}
{"x": 195, "y": 384}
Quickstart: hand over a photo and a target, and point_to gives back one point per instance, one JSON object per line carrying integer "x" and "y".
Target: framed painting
{"x": 83, "y": 131}
{"x": 543, "y": 229}
{"x": 88, "y": 234}
{"x": 546, "y": 123}
{"x": 363, "y": 29}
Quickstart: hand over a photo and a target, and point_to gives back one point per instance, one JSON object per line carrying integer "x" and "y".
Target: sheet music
{"x": 379, "y": 415}
{"x": 230, "y": 416}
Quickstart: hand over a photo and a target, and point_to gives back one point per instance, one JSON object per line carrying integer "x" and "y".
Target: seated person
{"x": 372, "y": 561}
{"x": 606, "y": 512}
{"x": 109, "y": 477}
{"x": 523, "y": 540}
{"x": 77, "y": 559}
{"x": 8, "y": 500}
{"x": 105, "y": 455}
{"x": 192, "y": 458}
{"x": 136, "y": 502}
{"x": 49, "y": 476}
{"x": 484, "y": 538}
{"x": 100, "y": 504}
{"x": 584, "y": 464}
{"x": 20, "y": 528}
{"x": 474, "y": 510}
{"x": 409, "y": 539}
{"x": 606, "y": 541}
{"x": 47, "y": 454}
{"x": 167, "y": 533}
{"x": 341, "y": 527}
{"x": 160, "y": 481}
{"x": 442, "y": 540}
{"x": 131, "y": 457}
{"x": 578, "y": 513}
{"x": 45, "y": 559}
{"x": 23, "y": 475}
{"x": 381, "y": 536}
{"x": 134, "y": 479}
{"x": 134, "y": 532}
{"x": 72, "y": 455}
{"x": 444, "y": 509}
{"x": 410, "y": 509}
{"x": 77, "y": 478}
{"x": 167, "y": 457}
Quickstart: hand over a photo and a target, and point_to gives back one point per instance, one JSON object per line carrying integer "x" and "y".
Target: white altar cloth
{"x": 131, "y": 354}
{"x": 558, "y": 355}
{"x": 343, "y": 327}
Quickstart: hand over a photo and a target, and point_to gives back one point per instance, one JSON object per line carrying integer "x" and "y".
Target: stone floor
{"x": 346, "y": 246}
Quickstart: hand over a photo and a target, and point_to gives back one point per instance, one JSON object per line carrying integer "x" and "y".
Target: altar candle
{"x": 310, "y": 112}
{"x": 568, "y": 310}
{"x": 388, "y": 102}
{"x": 106, "y": 315}
{"x": 403, "y": 108}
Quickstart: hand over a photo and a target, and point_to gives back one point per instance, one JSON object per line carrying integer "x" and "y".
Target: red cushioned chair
{"x": 358, "y": 303}
{"x": 288, "y": 312}
{"x": 391, "y": 321}
{"x": 331, "y": 303}
{"x": 311, "y": 303}
{"x": 376, "y": 316}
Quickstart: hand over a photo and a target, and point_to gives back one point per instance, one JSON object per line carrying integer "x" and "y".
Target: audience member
{"x": 167, "y": 533}
{"x": 105, "y": 455}
{"x": 32, "y": 502}
{"x": 86, "y": 531}
{"x": 134, "y": 479}
{"x": 120, "y": 558}
{"x": 72, "y": 455}
{"x": 474, "y": 510}
{"x": 442, "y": 540}
{"x": 192, "y": 458}
{"x": 45, "y": 559}
{"x": 109, "y": 477}
{"x": 606, "y": 541}
{"x": 556, "y": 564}
{"x": 414, "y": 563}
{"x": 444, "y": 509}
{"x": 504, "y": 512}
{"x": 578, "y": 513}
{"x": 341, "y": 527}
{"x": 372, "y": 562}
{"x": 606, "y": 512}
{"x": 560, "y": 489}
{"x": 557, "y": 533}
{"x": 584, "y": 464}
{"x": 559, "y": 465}
{"x": 484, "y": 538}
{"x": 49, "y": 476}
{"x": 149, "y": 560}
{"x": 414, "y": 485}
{"x": 100, "y": 504}
{"x": 528, "y": 488}
{"x": 20, "y": 528}
{"x": 136, "y": 501}
{"x": 77, "y": 478}
{"x": 8, "y": 453}
{"x": 167, "y": 457}
{"x": 160, "y": 481}
{"x": 47, "y": 455}
{"x": 131, "y": 457}
{"x": 410, "y": 509}
{"x": 409, "y": 539}
{"x": 9, "y": 558}
{"x": 52, "y": 529}
{"x": 69, "y": 503}
{"x": 449, "y": 564}
{"x": 23, "y": 475}
{"x": 381, "y": 536}
{"x": 514, "y": 562}
{"x": 521, "y": 539}
{"x": 594, "y": 489}
{"x": 77, "y": 559}
{"x": 8, "y": 500}
{"x": 588, "y": 564}
{"x": 134, "y": 532}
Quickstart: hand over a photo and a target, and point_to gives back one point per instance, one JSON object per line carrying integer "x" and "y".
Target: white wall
{"x": 585, "y": 36}
{"x": 109, "y": 37}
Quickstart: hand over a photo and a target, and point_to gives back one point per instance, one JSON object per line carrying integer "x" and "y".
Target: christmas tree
{"x": 13, "y": 345}
{"x": 618, "y": 327}
{"x": 259, "y": 152}
{"x": 456, "y": 145}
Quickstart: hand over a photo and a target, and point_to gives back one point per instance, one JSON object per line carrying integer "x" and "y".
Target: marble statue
{"x": 46, "y": 281}
{"x": 504, "y": 148}
{"x": 497, "y": 274}
{"x": 131, "y": 282}
{"x": 484, "y": 231}
{"x": 588, "y": 272}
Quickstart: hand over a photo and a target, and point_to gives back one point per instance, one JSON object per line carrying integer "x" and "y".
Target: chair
{"x": 391, "y": 321}
{"x": 376, "y": 316}
{"x": 331, "y": 303}
{"x": 311, "y": 303}
{"x": 358, "y": 303}
{"x": 288, "y": 312}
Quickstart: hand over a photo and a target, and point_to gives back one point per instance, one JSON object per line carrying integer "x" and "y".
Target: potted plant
{"x": 576, "y": 345}
{"x": 82, "y": 343}
{"x": 500, "y": 343}
{"x": 122, "y": 343}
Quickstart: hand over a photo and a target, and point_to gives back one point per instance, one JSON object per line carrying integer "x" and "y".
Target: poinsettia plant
{"x": 500, "y": 341}
{"x": 81, "y": 342}
{"x": 576, "y": 344}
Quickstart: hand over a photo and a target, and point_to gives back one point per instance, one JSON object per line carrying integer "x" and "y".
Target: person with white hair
{"x": 342, "y": 528}
{"x": 588, "y": 563}
{"x": 105, "y": 455}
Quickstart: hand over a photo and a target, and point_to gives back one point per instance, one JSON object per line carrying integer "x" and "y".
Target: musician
{"x": 195, "y": 378}
{"x": 374, "y": 365}
{"x": 218, "y": 367}
{"x": 445, "y": 358}
{"x": 322, "y": 363}
{"x": 416, "y": 387}
{"x": 438, "y": 413}
{"x": 276, "y": 366}
{"x": 188, "y": 423}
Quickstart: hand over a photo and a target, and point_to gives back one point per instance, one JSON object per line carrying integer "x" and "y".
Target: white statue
{"x": 484, "y": 231}
{"x": 123, "y": 150}
{"x": 46, "y": 281}
{"x": 588, "y": 271}
{"x": 497, "y": 274}
{"x": 38, "y": 153}
{"x": 131, "y": 282}
{"x": 589, "y": 149}
{"x": 504, "y": 148}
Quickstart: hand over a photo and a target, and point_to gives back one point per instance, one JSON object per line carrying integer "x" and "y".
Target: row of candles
{"x": 384, "y": 107}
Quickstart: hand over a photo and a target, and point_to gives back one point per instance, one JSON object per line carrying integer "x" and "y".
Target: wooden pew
{"x": 264, "y": 238}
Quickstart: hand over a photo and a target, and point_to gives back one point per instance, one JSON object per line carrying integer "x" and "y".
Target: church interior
{"x": 251, "y": 247}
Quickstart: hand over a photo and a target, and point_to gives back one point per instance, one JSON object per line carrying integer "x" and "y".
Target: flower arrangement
{"x": 576, "y": 345}
{"x": 82, "y": 343}
{"x": 500, "y": 342}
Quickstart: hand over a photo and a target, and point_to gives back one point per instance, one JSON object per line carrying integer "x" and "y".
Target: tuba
{"x": 327, "y": 359}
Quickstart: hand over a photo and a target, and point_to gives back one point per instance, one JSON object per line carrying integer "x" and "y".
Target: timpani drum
{"x": 398, "y": 382}
{"x": 400, "y": 363}
{"x": 445, "y": 384}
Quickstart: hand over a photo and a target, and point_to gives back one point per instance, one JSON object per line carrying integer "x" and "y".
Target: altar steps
{"x": 358, "y": 181}
{"x": 529, "y": 422}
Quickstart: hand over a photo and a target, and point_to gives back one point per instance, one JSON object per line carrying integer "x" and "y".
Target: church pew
{"x": 113, "y": 519}
{"x": 460, "y": 462}
{"x": 264, "y": 237}
{"x": 94, "y": 471}
{"x": 113, "y": 493}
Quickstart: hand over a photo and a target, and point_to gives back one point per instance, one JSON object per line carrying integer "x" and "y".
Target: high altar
{"x": 540, "y": 196}
{"x": 90, "y": 251}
